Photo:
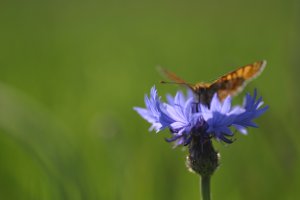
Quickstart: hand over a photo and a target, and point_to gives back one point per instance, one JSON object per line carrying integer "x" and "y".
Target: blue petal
{"x": 241, "y": 129}
{"x": 145, "y": 114}
{"x": 215, "y": 104}
{"x": 226, "y": 105}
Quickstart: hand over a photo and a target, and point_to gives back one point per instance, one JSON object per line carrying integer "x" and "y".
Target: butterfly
{"x": 231, "y": 83}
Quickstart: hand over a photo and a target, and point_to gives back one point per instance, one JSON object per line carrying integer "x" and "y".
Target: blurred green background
{"x": 71, "y": 71}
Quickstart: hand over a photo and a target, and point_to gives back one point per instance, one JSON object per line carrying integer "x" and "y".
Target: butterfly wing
{"x": 235, "y": 81}
{"x": 172, "y": 76}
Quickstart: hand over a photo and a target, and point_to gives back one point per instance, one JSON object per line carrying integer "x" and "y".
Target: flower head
{"x": 186, "y": 118}
{"x": 252, "y": 109}
{"x": 219, "y": 117}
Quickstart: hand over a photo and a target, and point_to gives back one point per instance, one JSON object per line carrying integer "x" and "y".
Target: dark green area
{"x": 71, "y": 71}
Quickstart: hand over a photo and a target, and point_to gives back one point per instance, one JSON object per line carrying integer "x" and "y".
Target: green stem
{"x": 205, "y": 187}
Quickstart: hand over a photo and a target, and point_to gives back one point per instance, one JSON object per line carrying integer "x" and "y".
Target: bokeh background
{"x": 71, "y": 71}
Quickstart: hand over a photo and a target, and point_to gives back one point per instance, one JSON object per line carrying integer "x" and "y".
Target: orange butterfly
{"x": 230, "y": 84}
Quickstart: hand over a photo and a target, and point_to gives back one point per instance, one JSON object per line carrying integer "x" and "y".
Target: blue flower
{"x": 252, "y": 110}
{"x": 177, "y": 115}
{"x": 219, "y": 117}
{"x": 153, "y": 112}
{"x": 186, "y": 118}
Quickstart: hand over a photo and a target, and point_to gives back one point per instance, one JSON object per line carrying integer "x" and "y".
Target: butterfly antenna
{"x": 171, "y": 82}
{"x": 178, "y": 83}
{"x": 176, "y": 79}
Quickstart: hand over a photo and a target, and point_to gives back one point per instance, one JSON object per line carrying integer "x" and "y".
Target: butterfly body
{"x": 202, "y": 91}
{"x": 229, "y": 84}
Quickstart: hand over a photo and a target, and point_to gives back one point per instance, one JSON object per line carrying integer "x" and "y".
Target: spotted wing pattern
{"x": 235, "y": 81}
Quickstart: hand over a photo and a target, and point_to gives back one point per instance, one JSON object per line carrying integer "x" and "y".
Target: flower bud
{"x": 202, "y": 158}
